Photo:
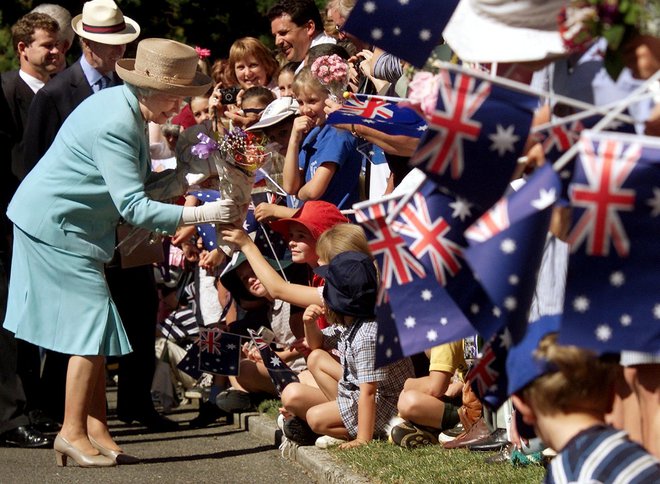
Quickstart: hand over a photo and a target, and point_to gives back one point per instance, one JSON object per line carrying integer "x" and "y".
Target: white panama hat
{"x": 505, "y": 30}
{"x": 102, "y": 21}
{"x": 275, "y": 112}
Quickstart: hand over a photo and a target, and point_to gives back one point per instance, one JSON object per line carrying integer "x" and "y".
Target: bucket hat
{"x": 276, "y": 111}
{"x": 164, "y": 65}
{"x": 316, "y": 216}
{"x": 351, "y": 284}
{"x": 103, "y": 22}
{"x": 505, "y": 30}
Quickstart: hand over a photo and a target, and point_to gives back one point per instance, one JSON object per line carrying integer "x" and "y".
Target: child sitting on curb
{"x": 366, "y": 396}
{"x": 566, "y": 399}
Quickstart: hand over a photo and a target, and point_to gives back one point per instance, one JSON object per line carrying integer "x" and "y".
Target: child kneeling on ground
{"x": 366, "y": 396}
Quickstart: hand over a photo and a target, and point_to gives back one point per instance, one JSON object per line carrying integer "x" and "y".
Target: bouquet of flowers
{"x": 237, "y": 157}
{"x": 332, "y": 72}
{"x": 617, "y": 21}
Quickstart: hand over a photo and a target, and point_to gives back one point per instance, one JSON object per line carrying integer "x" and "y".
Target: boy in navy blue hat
{"x": 564, "y": 392}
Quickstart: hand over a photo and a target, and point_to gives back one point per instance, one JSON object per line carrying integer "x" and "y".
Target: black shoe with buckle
{"x": 25, "y": 437}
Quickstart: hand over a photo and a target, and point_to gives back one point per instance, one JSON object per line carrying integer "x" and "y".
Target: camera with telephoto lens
{"x": 228, "y": 95}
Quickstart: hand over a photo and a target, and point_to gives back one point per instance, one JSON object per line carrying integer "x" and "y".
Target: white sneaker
{"x": 280, "y": 422}
{"x": 325, "y": 442}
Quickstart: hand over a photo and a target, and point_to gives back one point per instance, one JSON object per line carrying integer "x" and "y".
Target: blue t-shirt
{"x": 326, "y": 144}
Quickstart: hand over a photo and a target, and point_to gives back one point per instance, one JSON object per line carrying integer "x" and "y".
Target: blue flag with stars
{"x": 488, "y": 377}
{"x": 280, "y": 373}
{"x": 612, "y": 300}
{"x": 475, "y": 136}
{"x": 408, "y": 29}
{"x": 506, "y": 246}
{"x": 381, "y": 114}
{"x": 219, "y": 352}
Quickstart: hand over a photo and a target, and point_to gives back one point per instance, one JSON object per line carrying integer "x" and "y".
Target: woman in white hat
{"x": 65, "y": 213}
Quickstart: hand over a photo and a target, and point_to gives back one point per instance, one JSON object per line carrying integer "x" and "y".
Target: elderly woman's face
{"x": 159, "y": 107}
{"x": 250, "y": 72}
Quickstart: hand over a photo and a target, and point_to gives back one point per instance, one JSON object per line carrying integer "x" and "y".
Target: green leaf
{"x": 614, "y": 36}
{"x": 614, "y": 64}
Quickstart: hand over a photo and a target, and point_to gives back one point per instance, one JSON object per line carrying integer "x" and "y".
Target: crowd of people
{"x": 153, "y": 200}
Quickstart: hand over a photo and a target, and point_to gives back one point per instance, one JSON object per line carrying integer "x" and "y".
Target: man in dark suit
{"x": 103, "y": 38}
{"x": 35, "y": 41}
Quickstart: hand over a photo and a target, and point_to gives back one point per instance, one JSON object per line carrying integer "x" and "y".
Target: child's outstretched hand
{"x": 312, "y": 313}
{"x": 353, "y": 443}
{"x": 235, "y": 235}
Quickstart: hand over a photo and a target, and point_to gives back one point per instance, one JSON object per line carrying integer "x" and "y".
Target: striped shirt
{"x": 602, "y": 454}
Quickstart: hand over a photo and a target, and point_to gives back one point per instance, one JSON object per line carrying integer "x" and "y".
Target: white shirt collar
{"x": 32, "y": 82}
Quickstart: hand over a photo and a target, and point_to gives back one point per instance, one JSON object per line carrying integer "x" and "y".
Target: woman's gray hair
{"x": 140, "y": 92}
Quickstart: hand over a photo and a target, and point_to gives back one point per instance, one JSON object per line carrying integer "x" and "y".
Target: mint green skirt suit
{"x": 65, "y": 213}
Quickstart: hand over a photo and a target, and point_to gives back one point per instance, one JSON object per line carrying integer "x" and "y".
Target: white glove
{"x": 221, "y": 211}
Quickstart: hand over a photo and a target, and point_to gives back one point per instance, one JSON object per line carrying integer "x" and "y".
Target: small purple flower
{"x": 204, "y": 149}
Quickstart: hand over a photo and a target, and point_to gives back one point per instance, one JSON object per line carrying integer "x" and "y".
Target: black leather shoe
{"x": 208, "y": 413}
{"x": 25, "y": 437}
{"x": 42, "y": 422}
{"x": 153, "y": 421}
{"x": 495, "y": 441}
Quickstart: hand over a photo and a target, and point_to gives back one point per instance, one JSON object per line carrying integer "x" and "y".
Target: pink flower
{"x": 423, "y": 91}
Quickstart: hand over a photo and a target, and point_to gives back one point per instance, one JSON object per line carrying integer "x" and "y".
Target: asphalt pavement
{"x": 220, "y": 453}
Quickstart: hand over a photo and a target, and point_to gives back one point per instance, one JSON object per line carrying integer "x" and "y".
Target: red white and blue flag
{"x": 381, "y": 114}
{"x": 219, "y": 352}
{"x": 280, "y": 373}
{"x": 507, "y": 261}
{"x": 476, "y": 135}
{"x": 612, "y": 300}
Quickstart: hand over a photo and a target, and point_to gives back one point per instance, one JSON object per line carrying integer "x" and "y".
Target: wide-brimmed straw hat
{"x": 164, "y": 65}
{"x": 103, "y": 22}
{"x": 505, "y": 30}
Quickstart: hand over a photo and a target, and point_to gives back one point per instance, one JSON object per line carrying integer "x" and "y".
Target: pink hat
{"x": 316, "y": 216}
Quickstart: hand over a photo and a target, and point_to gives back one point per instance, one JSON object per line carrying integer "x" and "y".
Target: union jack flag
{"x": 381, "y": 114}
{"x": 610, "y": 297}
{"x": 454, "y": 124}
{"x": 488, "y": 377}
{"x": 209, "y": 341}
{"x": 492, "y": 222}
{"x": 280, "y": 373}
{"x": 475, "y": 137}
{"x": 560, "y": 138}
{"x": 398, "y": 265}
{"x": 603, "y": 196}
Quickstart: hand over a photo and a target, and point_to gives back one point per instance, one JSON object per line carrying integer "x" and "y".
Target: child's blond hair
{"x": 341, "y": 238}
{"x": 306, "y": 81}
{"x": 579, "y": 381}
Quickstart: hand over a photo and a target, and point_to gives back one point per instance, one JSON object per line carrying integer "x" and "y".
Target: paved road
{"x": 218, "y": 454}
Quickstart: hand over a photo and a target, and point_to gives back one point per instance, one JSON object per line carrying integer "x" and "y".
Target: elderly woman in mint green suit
{"x": 65, "y": 214}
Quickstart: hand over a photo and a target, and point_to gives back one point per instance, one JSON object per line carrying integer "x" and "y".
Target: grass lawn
{"x": 388, "y": 463}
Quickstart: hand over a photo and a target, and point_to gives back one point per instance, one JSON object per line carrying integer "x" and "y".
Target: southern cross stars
{"x": 504, "y": 140}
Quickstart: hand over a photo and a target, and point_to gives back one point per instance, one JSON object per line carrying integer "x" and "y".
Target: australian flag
{"x": 388, "y": 345}
{"x": 557, "y": 140}
{"x": 476, "y": 135}
{"x": 207, "y": 231}
{"x": 488, "y": 377}
{"x": 407, "y": 29}
{"x": 382, "y": 114}
{"x": 506, "y": 246}
{"x": 189, "y": 364}
{"x": 612, "y": 301}
{"x": 424, "y": 313}
{"x": 280, "y": 373}
{"x": 219, "y": 352}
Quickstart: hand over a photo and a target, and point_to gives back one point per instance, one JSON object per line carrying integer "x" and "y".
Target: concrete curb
{"x": 319, "y": 463}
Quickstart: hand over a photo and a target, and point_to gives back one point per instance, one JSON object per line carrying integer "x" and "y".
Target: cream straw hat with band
{"x": 103, "y": 22}
{"x": 166, "y": 66}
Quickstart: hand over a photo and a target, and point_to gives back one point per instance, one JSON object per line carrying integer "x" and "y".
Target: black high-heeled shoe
{"x": 64, "y": 450}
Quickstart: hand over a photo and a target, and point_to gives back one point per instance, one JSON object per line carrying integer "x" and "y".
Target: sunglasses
{"x": 253, "y": 111}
